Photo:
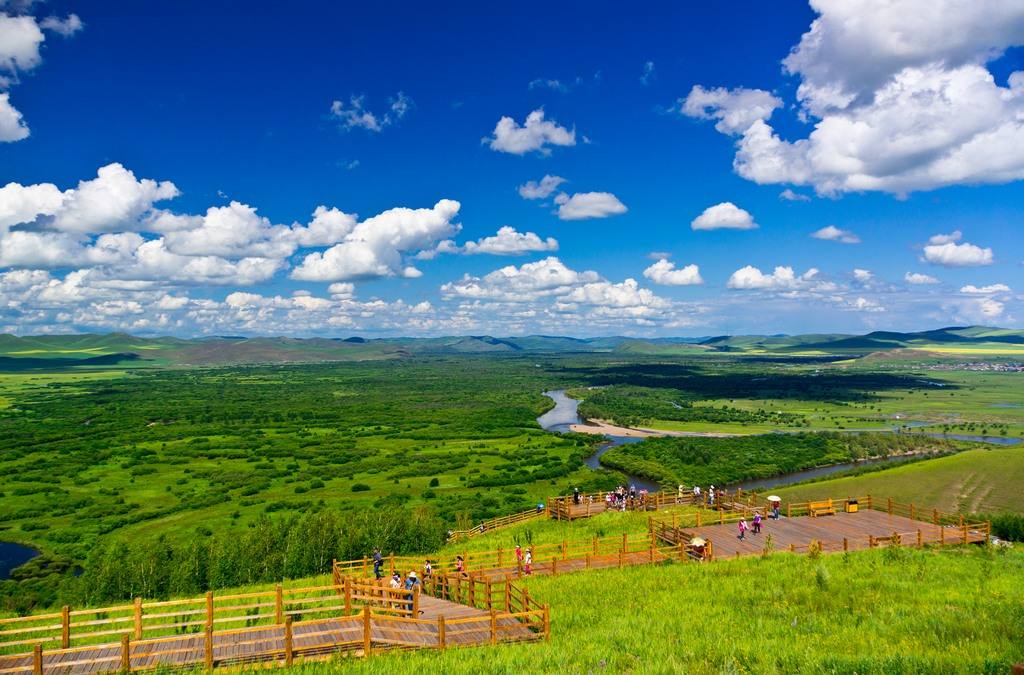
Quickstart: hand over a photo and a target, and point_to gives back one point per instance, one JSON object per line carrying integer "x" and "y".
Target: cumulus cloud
{"x": 508, "y": 241}
{"x": 783, "y": 278}
{"x": 544, "y": 277}
{"x": 862, "y": 275}
{"x": 991, "y": 289}
{"x": 943, "y": 250}
{"x": 665, "y": 273}
{"x": 585, "y": 205}
{"x": 12, "y": 126}
{"x": 20, "y": 40}
{"x": 377, "y": 246}
{"x": 917, "y": 278}
{"x": 355, "y": 115}
{"x": 898, "y": 103}
{"x": 833, "y": 233}
{"x": 724, "y": 216}
{"x": 535, "y": 135}
{"x": 115, "y": 199}
{"x": 541, "y": 189}
{"x": 735, "y": 110}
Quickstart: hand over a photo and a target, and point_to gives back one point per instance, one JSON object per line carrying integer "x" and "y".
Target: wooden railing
{"x": 496, "y": 524}
{"x": 566, "y": 508}
{"x": 219, "y": 630}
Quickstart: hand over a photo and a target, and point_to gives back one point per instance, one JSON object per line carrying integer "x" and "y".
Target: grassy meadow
{"x": 985, "y": 480}
{"x": 881, "y": 611}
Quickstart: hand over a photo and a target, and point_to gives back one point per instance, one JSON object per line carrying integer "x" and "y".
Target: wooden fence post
{"x": 625, "y": 540}
{"x": 494, "y": 628}
{"x": 721, "y": 517}
{"x": 912, "y": 510}
{"x": 392, "y": 558}
{"x": 565, "y": 549}
{"x": 366, "y": 565}
{"x": 508, "y": 595}
{"x": 415, "y": 600}
{"x": 870, "y": 503}
{"x": 138, "y": 618}
{"x": 367, "y": 644}
{"x": 209, "y": 610}
{"x": 37, "y": 660}
{"x": 620, "y": 558}
{"x": 890, "y": 506}
{"x": 554, "y": 566}
{"x": 964, "y": 529}
{"x": 942, "y": 536}
{"x": 846, "y": 545}
{"x": 126, "y": 653}
{"x": 595, "y": 545}
{"x": 289, "y": 642}
{"x": 871, "y": 541}
{"x": 935, "y": 516}
{"x": 920, "y": 540}
{"x": 65, "y": 627}
{"x": 789, "y": 510}
{"x": 208, "y": 647}
{"x": 278, "y": 605}
{"x": 348, "y": 595}
{"x": 547, "y": 623}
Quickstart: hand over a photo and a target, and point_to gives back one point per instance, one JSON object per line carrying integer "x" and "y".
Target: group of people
{"x": 623, "y": 499}
{"x": 744, "y": 527}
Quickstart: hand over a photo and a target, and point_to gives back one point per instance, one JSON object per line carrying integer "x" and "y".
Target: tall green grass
{"x": 881, "y": 611}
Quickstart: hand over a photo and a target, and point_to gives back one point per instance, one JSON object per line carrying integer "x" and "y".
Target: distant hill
{"x": 93, "y": 350}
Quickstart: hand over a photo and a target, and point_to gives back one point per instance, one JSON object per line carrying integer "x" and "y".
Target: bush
{"x": 434, "y": 482}
{"x": 360, "y": 487}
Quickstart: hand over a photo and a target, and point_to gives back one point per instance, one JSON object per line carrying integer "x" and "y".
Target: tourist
{"x": 411, "y": 582}
{"x": 428, "y": 570}
{"x": 679, "y": 491}
{"x": 775, "y": 510}
{"x": 743, "y": 528}
{"x": 378, "y": 563}
{"x": 528, "y": 562}
{"x": 711, "y": 496}
{"x": 757, "y": 523}
{"x": 576, "y": 496}
{"x": 696, "y": 494}
{"x": 460, "y": 566}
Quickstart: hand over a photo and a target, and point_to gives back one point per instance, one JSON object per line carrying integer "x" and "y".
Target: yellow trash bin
{"x": 851, "y": 507}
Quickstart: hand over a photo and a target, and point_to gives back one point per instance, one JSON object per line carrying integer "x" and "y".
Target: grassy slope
{"x": 869, "y": 612}
{"x": 972, "y": 481}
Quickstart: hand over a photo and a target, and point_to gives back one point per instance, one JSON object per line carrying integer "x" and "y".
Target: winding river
{"x": 566, "y": 413}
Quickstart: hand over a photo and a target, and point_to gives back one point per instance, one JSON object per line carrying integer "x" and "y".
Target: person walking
{"x": 576, "y": 496}
{"x": 428, "y": 569}
{"x": 460, "y": 566}
{"x": 743, "y": 528}
{"x": 378, "y": 563}
{"x": 528, "y": 562}
{"x": 757, "y": 523}
{"x": 411, "y": 582}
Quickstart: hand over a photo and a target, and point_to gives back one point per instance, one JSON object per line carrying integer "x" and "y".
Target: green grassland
{"x": 989, "y": 480}
{"x": 882, "y": 611}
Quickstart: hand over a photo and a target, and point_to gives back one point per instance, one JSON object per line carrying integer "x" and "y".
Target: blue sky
{"x": 221, "y": 132}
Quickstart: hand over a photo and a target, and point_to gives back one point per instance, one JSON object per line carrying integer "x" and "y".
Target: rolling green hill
{"x": 61, "y": 351}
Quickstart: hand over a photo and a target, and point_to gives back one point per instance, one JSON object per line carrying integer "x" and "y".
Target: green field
{"x": 976, "y": 481}
{"x": 871, "y": 612}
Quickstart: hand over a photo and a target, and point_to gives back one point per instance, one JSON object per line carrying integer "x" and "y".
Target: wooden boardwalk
{"x": 438, "y": 625}
{"x": 842, "y": 531}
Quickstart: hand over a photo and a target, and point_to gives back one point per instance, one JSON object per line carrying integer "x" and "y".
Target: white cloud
{"x": 24, "y": 203}
{"x": 862, "y": 304}
{"x": 724, "y": 216}
{"x": 233, "y": 231}
{"x": 65, "y": 27}
{"x": 991, "y": 289}
{"x": 951, "y": 254}
{"x": 783, "y": 278}
{"x": 541, "y": 189}
{"x": 377, "y": 246}
{"x": 919, "y": 279}
{"x": 12, "y": 126}
{"x": 665, "y": 273}
{"x": 734, "y": 109}
{"x": 627, "y": 294}
{"x": 990, "y": 308}
{"x": 355, "y": 115}
{"x": 510, "y": 242}
{"x": 862, "y": 275}
{"x": 789, "y": 196}
{"x": 584, "y": 205}
{"x": 329, "y": 226}
{"x": 955, "y": 235}
{"x": 113, "y": 200}
{"x": 20, "y": 37}
{"x": 536, "y": 134}
{"x": 833, "y": 233}
{"x": 900, "y": 97}
{"x": 517, "y": 284}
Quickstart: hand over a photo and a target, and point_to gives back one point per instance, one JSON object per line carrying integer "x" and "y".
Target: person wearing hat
{"x": 410, "y": 585}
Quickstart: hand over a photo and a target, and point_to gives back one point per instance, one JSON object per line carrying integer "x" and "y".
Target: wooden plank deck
{"x": 267, "y": 643}
{"x": 857, "y": 528}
